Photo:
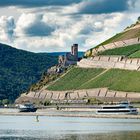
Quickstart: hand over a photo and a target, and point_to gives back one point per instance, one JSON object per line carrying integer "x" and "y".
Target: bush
{"x": 94, "y": 101}
{"x": 5, "y": 101}
{"x": 0, "y": 102}
{"x": 47, "y": 102}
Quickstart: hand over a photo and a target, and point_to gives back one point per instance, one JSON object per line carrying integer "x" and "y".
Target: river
{"x": 68, "y": 128}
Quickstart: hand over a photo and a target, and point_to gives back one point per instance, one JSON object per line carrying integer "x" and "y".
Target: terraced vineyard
{"x": 133, "y": 33}
{"x": 75, "y": 78}
{"x": 131, "y": 51}
{"x": 107, "y": 71}
{"x": 135, "y": 55}
{"x": 114, "y": 79}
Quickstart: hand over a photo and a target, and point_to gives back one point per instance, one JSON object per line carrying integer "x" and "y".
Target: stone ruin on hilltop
{"x": 70, "y": 58}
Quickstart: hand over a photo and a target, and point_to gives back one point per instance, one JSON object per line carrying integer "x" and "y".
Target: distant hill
{"x": 80, "y": 54}
{"x": 19, "y": 69}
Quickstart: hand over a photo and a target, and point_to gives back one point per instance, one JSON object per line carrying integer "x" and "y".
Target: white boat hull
{"x": 123, "y": 112}
{"x": 118, "y": 109}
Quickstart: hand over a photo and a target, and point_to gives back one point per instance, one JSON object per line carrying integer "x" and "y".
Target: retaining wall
{"x": 117, "y": 44}
{"x": 80, "y": 94}
{"x": 110, "y": 62}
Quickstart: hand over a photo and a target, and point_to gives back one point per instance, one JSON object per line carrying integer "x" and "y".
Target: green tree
{"x": 0, "y": 102}
{"x": 5, "y": 101}
{"x": 20, "y": 69}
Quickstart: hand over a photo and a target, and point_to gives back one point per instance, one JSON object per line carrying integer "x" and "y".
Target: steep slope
{"x": 109, "y": 71}
{"x": 84, "y": 78}
{"x": 125, "y": 35}
{"x": 128, "y": 51}
{"x": 19, "y": 69}
{"x": 132, "y": 32}
{"x": 74, "y": 79}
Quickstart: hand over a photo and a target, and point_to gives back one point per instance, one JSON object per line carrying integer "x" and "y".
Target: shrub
{"x": 47, "y": 102}
{"x": 94, "y": 101}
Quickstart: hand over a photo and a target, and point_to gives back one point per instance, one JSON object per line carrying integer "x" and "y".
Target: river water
{"x": 68, "y": 128}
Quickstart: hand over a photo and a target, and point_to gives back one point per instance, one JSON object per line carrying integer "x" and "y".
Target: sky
{"x": 54, "y": 25}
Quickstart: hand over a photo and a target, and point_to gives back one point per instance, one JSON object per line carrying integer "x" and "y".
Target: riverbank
{"x": 65, "y": 113}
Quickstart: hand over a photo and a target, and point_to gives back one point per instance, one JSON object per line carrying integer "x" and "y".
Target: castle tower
{"x": 74, "y": 51}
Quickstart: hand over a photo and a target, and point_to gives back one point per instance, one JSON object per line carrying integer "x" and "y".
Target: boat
{"x": 121, "y": 108}
{"x": 28, "y": 107}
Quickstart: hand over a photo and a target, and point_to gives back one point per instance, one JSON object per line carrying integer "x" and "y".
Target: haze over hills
{"x": 80, "y": 53}
{"x": 19, "y": 69}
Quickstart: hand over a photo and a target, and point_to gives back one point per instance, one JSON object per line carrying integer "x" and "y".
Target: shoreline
{"x": 68, "y": 113}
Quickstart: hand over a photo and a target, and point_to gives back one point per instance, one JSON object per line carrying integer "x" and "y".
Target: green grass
{"x": 135, "y": 55}
{"x": 123, "y": 51}
{"x": 75, "y": 78}
{"x": 112, "y": 39}
{"x": 133, "y": 33}
{"x": 116, "y": 79}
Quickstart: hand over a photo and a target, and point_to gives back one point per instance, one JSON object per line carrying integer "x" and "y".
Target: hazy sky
{"x": 54, "y": 25}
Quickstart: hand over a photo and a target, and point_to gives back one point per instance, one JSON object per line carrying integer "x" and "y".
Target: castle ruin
{"x": 70, "y": 58}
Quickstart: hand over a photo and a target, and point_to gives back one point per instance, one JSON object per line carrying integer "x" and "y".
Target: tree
{"x": 139, "y": 18}
{"x": 5, "y": 101}
{"x": 0, "y": 102}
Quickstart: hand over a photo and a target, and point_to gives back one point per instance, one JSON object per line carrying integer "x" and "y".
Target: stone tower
{"x": 70, "y": 58}
{"x": 74, "y": 51}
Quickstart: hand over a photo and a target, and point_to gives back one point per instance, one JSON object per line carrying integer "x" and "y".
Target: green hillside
{"x": 133, "y": 33}
{"x": 75, "y": 78}
{"x": 114, "y": 79}
{"x": 19, "y": 69}
{"x": 135, "y": 54}
{"x": 131, "y": 51}
{"x": 128, "y": 33}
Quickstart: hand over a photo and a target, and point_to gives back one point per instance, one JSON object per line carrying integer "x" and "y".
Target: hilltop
{"x": 19, "y": 69}
{"x": 130, "y": 32}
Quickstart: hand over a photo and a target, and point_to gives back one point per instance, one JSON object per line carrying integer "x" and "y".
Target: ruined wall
{"x": 70, "y": 58}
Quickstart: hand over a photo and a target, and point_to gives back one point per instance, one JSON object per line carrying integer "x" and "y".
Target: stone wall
{"x": 134, "y": 27}
{"x": 80, "y": 94}
{"x": 110, "y": 62}
{"x": 117, "y": 44}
